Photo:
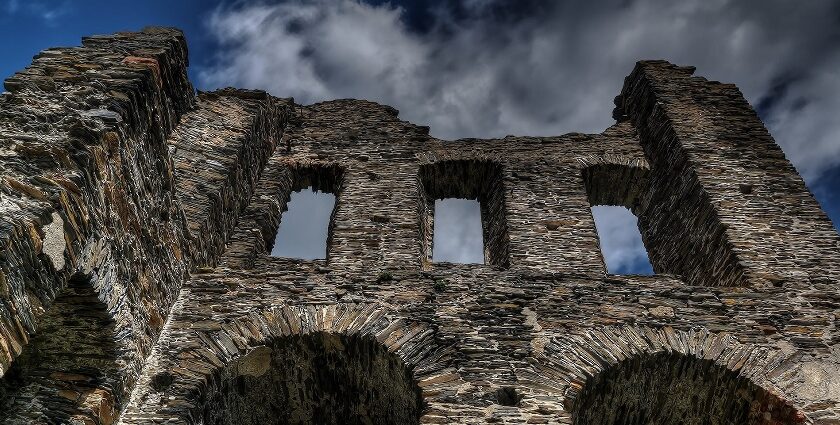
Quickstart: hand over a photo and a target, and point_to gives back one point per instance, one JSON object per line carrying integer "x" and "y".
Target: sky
{"x": 488, "y": 68}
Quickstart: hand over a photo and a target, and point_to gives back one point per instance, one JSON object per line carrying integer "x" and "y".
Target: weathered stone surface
{"x": 89, "y": 188}
{"x": 219, "y": 151}
{"x": 167, "y": 202}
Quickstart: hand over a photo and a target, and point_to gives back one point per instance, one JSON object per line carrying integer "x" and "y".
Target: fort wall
{"x": 137, "y": 286}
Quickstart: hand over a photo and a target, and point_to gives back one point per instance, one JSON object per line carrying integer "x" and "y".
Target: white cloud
{"x": 49, "y": 12}
{"x": 806, "y": 121}
{"x": 485, "y": 74}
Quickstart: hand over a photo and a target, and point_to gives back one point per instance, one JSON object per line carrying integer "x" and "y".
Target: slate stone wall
{"x": 169, "y": 202}
{"x": 89, "y": 164}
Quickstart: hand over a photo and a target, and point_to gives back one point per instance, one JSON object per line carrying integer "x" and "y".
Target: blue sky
{"x": 29, "y": 26}
{"x": 488, "y": 68}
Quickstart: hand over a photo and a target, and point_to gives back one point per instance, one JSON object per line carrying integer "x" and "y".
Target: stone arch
{"x": 70, "y": 371}
{"x": 610, "y": 369}
{"x": 318, "y": 378}
{"x": 667, "y": 387}
{"x": 209, "y": 365}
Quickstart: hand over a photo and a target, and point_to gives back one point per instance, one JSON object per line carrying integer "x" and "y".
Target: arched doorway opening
{"x": 672, "y": 388}
{"x": 316, "y": 378}
{"x": 70, "y": 370}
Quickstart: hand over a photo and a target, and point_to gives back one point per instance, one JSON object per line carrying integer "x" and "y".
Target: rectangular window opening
{"x": 304, "y": 227}
{"x": 462, "y": 213}
{"x": 616, "y": 193}
{"x": 306, "y": 213}
{"x": 621, "y": 242}
{"x": 457, "y": 234}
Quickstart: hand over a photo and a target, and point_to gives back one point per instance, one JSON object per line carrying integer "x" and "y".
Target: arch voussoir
{"x": 205, "y": 360}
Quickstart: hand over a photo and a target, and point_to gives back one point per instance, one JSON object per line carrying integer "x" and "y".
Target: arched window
{"x": 305, "y": 226}
{"x": 307, "y": 203}
{"x": 457, "y": 234}
{"x": 621, "y": 242}
{"x": 680, "y": 228}
{"x": 614, "y": 194}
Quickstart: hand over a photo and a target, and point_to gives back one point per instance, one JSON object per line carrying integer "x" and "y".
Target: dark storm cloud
{"x": 778, "y": 91}
{"x": 484, "y": 68}
{"x": 447, "y": 16}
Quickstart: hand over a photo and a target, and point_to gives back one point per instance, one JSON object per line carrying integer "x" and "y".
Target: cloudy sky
{"x": 488, "y": 68}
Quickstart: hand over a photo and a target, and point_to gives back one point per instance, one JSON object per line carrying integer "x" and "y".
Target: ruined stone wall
{"x": 734, "y": 183}
{"x": 739, "y": 325}
{"x": 92, "y": 189}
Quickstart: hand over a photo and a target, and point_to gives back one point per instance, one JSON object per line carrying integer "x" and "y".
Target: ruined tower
{"x": 136, "y": 285}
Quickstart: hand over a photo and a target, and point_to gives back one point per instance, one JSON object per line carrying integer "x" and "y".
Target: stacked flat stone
{"x": 137, "y": 286}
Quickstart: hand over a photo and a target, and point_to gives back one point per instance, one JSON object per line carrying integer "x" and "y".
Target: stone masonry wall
{"x": 91, "y": 187}
{"x": 739, "y": 325}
